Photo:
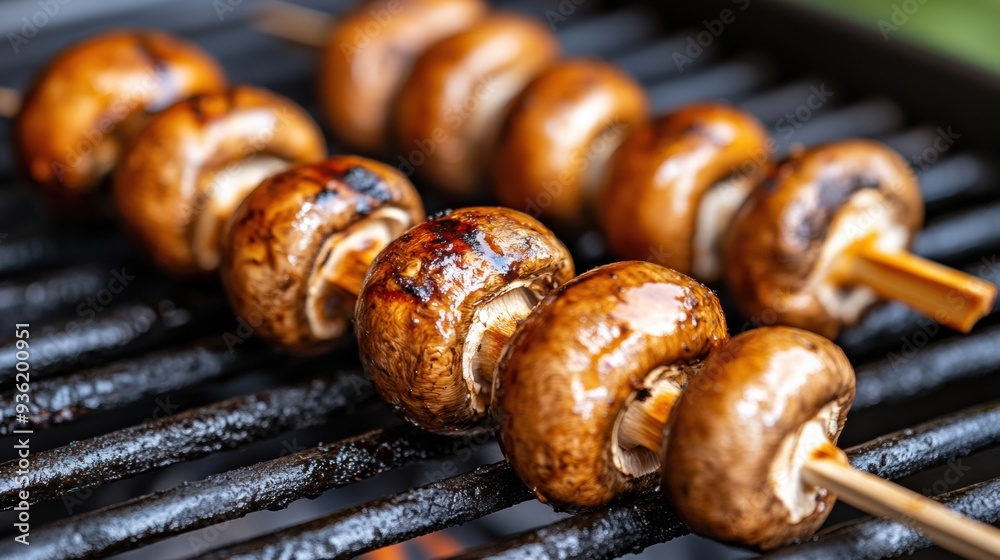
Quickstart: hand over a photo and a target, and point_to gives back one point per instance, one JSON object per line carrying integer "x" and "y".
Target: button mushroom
{"x": 439, "y": 304}
{"x": 194, "y": 162}
{"x": 824, "y": 236}
{"x": 556, "y": 141}
{"x": 588, "y": 379}
{"x": 750, "y": 457}
{"x": 91, "y": 99}
{"x": 450, "y": 108}
{"x": 369, "y": 54}
{"x": 675, "y": 184}
{"x": 301, "y": 242}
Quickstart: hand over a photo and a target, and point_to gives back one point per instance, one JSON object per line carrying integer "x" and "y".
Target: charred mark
{"x": 367, "y": 183}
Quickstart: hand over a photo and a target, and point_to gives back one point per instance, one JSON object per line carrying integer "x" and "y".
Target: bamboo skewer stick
{"x": 297, "y": 24}
{"x": 10, "y": 102}
{"x": 951, "y": 297}
{"x": 828, "y": 468}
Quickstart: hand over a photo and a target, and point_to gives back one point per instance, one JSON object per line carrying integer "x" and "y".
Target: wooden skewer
{"x": 10, "y": 102}
{"x": 829, "y": 468}
{"x": 946, "y": 295}
{"x": 297, "y": 24}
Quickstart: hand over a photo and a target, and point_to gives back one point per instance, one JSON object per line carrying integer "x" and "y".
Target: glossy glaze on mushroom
{"x": 451, "y": 107}
{"x": 439, "y": 304}
{"x": 190, "y": 167}
{"x": 85, "y": 107}
{"x": 370, "y": 53}
{"x": 302, "y": 241}
{"x": 588, "y": 379}
{"x": 562, "y": 129}
{"x": 675, "y": 184}
{"x": 825, "y": 235}
{"x": 736, "y": 440}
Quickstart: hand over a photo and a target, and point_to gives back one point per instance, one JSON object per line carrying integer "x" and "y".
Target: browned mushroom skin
{"x": 586, "y": 353}
{"x": 676, "y": 183}
{"x": 561, "y": 130}
{"x": 91, "y": 99}
{"x": 300, "y": 244}
{"x": 806, "y": 211}
{"x": 737, "y": 436}
{"x": 370, "y": 53}
{"x": 449, "y": 111}
{"x": 439, "y": 304}
{"x": 194, "y": 162}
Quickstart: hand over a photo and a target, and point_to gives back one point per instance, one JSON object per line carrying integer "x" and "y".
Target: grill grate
{"x": 166, "y": 338}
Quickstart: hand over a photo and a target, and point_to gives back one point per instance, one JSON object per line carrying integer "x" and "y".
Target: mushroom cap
{"x": 450, "y": 109}
{"x": 560, "y": 132}
{"x": 575, "y": 363}
{"x": 195, "y": 161}
{"x": 649, "y": 205}
{"x": 807, "y": 210}
{"x": 285, "y": 231}
{"x": 85, "y": 106}
{"x": 729, "y": 448}
{"x": 421, "y": 299}
{"x": 369, "y": 54}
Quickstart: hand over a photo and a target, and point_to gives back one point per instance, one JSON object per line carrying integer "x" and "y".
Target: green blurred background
{"x": 965, "y": 29}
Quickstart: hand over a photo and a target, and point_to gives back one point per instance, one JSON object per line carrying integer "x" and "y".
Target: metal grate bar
{"x": 630, "y": 528}
{"x": 30, "y": 299}
{"x": 182, "y": 437}
{"x": 904, "y": 374}
{"x": 963, "y": 236}
{"x": 127, "y": 329}
{"x": 393, "y": 519}
{"x": 230, "y": 495}
{"x": 67, "y": 399}
{"x": 872, "y": 538}
{"x": 38, "y": 251}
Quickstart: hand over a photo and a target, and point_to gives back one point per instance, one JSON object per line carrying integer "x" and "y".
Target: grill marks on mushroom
{"x": 823, "y": 237}
{"x": 116, "y": 81}
{"x": 194, "y": 162}
{"x": 451, "y": 107}
{"x": 369, "y": 54}
{"x": 739, "y": 434}
{"x": 589, "y": 376}
{"x": 559, "y": 135}
{"x": 301, "y": 242}
{"x": 675, "y": 184}
{"x": 440, "y": 302}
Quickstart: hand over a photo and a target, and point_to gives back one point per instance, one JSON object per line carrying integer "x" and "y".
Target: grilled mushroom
{"x": 369, "y": 54}
{"x": 588, "y": 379}
{"x": 193, "y": 163}
{"x": 91, "y": 99}
{"x": 301, "y": 243}
{"x": 439, "y": 304}
{"x": 676, "y": 183}
{"x": 450, "y": 108}
{"x": 735, "y": 443}
{"x": 555, "y": 143}
{"x": 824, "y": 236}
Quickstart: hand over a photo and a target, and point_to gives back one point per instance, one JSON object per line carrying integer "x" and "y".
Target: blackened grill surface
{"x": 165, "y": 337}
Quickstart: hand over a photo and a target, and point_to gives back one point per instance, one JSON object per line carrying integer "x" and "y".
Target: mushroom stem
{"x": 10, "y": 102}
{"x": 950, "y": 297}
{"x": 294, "y": 23}
{"x": 828, "y": 468}
{"x": 642, "y": 424}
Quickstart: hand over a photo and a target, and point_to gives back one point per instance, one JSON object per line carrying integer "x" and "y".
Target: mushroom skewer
{"x": 749, "y": 451}
{"x": 823, "y": 237}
